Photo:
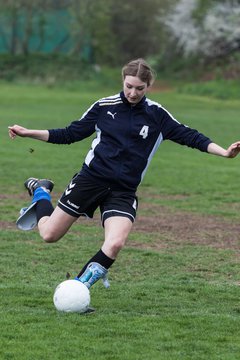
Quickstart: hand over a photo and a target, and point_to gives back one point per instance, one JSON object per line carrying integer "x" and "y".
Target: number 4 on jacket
{"x": 144, "y": 131}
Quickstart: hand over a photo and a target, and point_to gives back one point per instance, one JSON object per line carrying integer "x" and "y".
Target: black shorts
{"x": 84, "y": 195}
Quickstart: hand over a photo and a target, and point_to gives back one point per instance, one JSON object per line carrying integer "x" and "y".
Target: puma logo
{"x": 112, "y": 115}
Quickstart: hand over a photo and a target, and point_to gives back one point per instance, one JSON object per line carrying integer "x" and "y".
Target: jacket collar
{"x": 125, "y": 101}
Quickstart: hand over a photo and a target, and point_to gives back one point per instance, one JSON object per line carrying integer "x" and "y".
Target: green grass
{"x": 175, "y": 302}
{"x": 220, "y": 88}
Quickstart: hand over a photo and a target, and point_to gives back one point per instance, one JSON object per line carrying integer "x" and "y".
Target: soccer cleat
{"x": 92, "y": 274}
{"x": 22, "y": 211}
{"x": 28, "y": 218}
{"x": 89, "y": 310}
{"x": 32, "y": 184}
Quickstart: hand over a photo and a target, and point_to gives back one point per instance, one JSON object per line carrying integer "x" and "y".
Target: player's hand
{"x": 233, "y": 150}
{"x": 17, "y": 130}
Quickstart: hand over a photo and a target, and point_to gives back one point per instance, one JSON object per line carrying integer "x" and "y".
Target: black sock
{"x": 43, "y": 208}
{"x": 99, "y": 258}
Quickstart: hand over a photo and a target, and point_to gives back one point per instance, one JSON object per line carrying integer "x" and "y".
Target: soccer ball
{"x": 71, "y": 296}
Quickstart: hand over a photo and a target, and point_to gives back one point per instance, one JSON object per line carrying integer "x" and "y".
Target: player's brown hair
{"x": 141, "y": 69}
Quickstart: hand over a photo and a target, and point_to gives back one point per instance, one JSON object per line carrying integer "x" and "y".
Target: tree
{"x": 210, "y": 31}
{"x": 138, "y": 31}
{"x": 222, "y": 29}
{"x": 90, "y": 30}
{"x": 97, "y": 31}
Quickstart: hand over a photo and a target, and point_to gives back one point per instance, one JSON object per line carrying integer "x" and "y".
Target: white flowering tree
{"x": 221, "y": 28}
{"x": 215, "y": 34}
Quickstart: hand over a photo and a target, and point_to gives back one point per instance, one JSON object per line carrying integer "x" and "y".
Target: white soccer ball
{"x": 71, "y": 296}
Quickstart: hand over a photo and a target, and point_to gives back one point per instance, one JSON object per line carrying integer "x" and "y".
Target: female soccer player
{"x": 129, "y": 128}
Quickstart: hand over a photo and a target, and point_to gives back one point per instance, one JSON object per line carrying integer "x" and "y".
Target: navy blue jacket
{"x": 126, "y": 139}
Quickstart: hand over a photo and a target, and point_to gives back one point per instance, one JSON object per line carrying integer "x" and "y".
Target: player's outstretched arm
{"x": 232, "y": 151}
{"x": 17, "y": 130}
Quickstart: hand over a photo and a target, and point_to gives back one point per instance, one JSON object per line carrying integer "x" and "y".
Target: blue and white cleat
{"x": 27, "y": 219}
{"x": 92, "y": 274}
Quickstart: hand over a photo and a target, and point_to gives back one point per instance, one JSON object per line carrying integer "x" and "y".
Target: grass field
{"x": 174, "y": 291}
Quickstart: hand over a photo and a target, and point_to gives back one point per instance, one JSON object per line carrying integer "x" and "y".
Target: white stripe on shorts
{"x": 117, "y": 211}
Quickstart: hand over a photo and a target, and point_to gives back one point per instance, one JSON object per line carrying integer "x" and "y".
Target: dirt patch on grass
{"x": 168, "y": 227}
{"x": 160, "y": 86}
{"x": 171, "y": 228}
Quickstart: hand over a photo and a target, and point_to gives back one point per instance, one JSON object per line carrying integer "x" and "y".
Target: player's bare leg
{"x": 117, "y": 229}
{"x": 52, "y": 224}
{"x": 54, "y": 227}
{"x": 116, "y": 233}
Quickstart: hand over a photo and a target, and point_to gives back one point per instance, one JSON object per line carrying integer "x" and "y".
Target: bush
{"x": 55, "y": 66}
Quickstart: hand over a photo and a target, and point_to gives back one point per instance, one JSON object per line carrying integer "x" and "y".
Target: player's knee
{"x": 49, "y": 236}
{"x": 117, "y": 245}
